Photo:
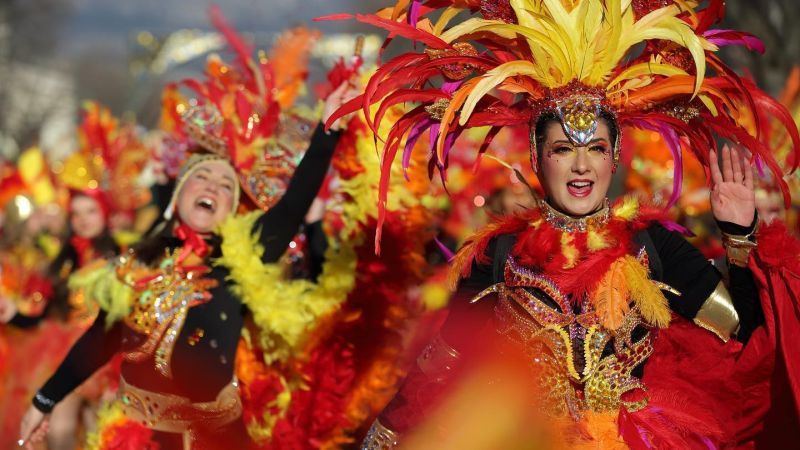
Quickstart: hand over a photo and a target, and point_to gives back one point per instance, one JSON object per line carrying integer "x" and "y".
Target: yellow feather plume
{"x": 628, "y": 209}
{"x": 581, "y": 41}
{"x": 103, "y": 286}
{"x": 284, "y": 310}
{"x": 569, "y": 251}
{"x": 647, "y": 296}
{"x": 611, "y": 296}
{"x": 627, "y": 281}
{"x": 596, "y": 241}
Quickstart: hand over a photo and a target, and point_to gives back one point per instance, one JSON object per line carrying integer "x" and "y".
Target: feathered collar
{"x": 576, "y": 260}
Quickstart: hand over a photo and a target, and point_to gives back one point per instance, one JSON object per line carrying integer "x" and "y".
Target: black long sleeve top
{"x": 683, "y": 267}
{"x": 202, "y": 361}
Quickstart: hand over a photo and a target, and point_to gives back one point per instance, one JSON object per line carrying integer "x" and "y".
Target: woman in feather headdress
{"x": 631, "y": 337}
{"x": 62, "y": 316}
{"x": 175, "y": 305}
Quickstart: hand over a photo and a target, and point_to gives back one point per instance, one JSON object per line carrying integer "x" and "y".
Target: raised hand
{"x": 341, "y": 95}
{"x": 733, "y": 197}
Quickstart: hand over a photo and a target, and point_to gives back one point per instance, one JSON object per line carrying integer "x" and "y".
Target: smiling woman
{"x": 175, "y": 305}
{"x": 595, "y": 305}
{"x": 575, "y": 178}
{"x": 209, "y": 194}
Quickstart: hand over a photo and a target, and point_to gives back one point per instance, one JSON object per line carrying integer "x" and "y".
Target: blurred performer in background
{"x": 101, "y": 178}
{"x": 174, "y": 313}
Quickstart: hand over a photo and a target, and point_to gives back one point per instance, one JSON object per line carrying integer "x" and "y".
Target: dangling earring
{"x": 534, "y": 154}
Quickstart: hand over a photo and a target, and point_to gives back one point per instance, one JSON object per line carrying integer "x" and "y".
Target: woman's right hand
{"x": 33, "y": 428}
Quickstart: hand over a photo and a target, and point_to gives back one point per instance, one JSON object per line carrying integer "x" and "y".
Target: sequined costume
{"x": 175, "y": 306}
{"x": 627, "y": 329}
{"x": 586, "y": 358}
{"x": 191, "y": 322}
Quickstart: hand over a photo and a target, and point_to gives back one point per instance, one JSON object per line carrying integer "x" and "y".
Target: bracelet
{"x": 438, "y": 360}
{"x": 380, "y": 438}
{"x": 738, "y": 247}
{"x": 43, "y": 403}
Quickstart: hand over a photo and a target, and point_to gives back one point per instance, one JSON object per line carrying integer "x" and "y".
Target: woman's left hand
{"x": 341, "y": 95}
{"x": 733, "y": 197}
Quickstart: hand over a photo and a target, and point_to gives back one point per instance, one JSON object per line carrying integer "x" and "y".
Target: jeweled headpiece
{"x": 652, "y": 65}
{"x": 241, "y": 112}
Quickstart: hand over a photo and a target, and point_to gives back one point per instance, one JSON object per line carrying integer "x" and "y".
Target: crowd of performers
{"x": 256, "y": 273}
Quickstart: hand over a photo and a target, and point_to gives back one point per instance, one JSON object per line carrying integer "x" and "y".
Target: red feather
{"x": 243, "y": 50}
{"x": 403, "y": 29}
{"x": 339, "y": 16}
{"x": 407, "y": 95}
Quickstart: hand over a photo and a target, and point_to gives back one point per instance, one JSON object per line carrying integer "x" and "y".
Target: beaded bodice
{"x": 580, "y": 364}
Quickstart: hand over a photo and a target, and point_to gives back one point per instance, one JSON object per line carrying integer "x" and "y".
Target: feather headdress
{"x": 109, "y": 159}
{"x": 650, "y": 64}
{"x": 240, "y": 111}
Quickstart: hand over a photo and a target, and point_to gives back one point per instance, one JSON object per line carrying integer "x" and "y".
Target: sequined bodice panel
{"x": 580, "y": 364}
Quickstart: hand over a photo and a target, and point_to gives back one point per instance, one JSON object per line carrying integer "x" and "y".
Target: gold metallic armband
{"x": 380, "y": 438}
{"x": 738, "y": 248}
{"x": 718, "y": 315}
{"x": 438, "y": 360}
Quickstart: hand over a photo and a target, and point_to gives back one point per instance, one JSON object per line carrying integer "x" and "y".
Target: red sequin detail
{"x": 643, "y": 7}
{"x": 498, "y": 10}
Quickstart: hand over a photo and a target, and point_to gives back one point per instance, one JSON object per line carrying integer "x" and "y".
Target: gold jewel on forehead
{"x": 579, "y": 115}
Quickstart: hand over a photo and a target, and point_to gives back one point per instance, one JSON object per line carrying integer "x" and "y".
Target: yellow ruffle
{"x": 284, "y": 310}
{"x": 101, "y": 284}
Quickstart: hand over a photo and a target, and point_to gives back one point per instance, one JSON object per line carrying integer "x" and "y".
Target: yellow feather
{"x": 610, "y": 298}
{"x": 628, "y": 209}
{"x": 662, "y": 24}
{"x": 563, "y": 30}
{"x": 647, "y": 296}
{"x": 491, "y": 80}
{"x": 649, "y": 68}
{"x": 102, "y": 286}
{"x": 568, "y": 250}
{"x": 447, "y": 15}
{"x": 596, "y": 241}
{"x": 474, "y": 25}
{"x": 712, "y": 108}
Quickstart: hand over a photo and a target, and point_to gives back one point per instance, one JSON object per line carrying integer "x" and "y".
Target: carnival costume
{"x": 600, "y": 307}
{"x": 177, "y": 312}
{"x": 306, "y": 347}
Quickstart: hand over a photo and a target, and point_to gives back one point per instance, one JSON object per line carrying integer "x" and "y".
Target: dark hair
{"x": 66, "y": 262}
{"x": 544, "y": 120}
{"x": 152, "y": 248}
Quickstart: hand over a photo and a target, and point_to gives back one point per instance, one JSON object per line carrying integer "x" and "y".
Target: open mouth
{"x": 207, "y": 204}
{"x": 580, "y": 188}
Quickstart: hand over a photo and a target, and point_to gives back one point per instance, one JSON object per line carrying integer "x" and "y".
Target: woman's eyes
{"x": 600, "y": 149}
{"x": 562, "y": 149}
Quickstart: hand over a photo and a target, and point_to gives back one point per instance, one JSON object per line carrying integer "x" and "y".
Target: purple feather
{"x": 413, "y": 13}
{"x": 449, "y": 87}
{"x": 672, "y": 226}
{"x": 413, "y": 137}
{"x": 722, "y": 38}
{"x": 445, "y": 251}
